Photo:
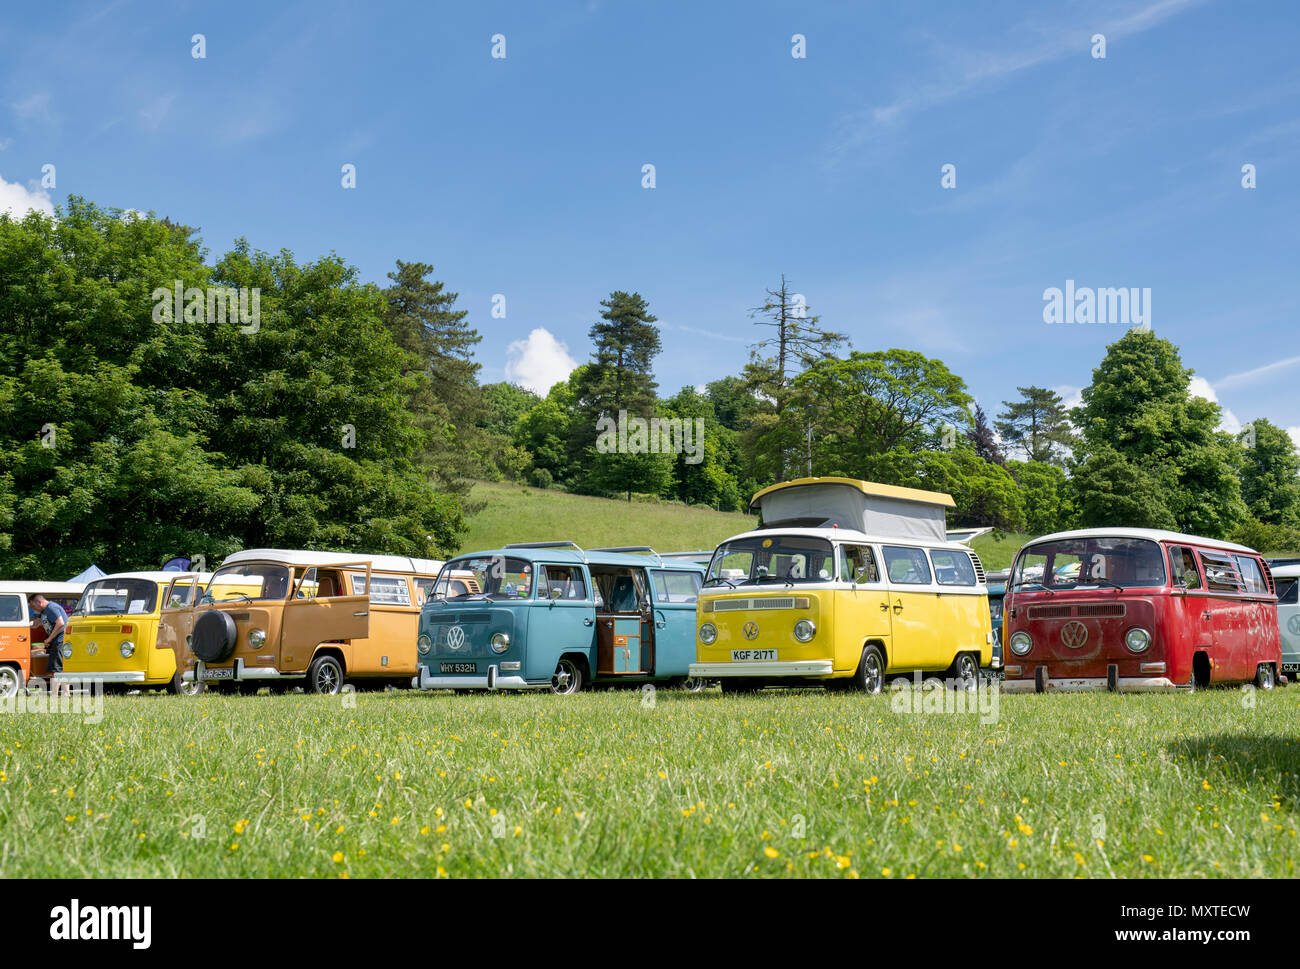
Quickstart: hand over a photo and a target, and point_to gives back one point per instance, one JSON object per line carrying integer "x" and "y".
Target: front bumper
{"x": 132, "y": 676}
{"x": 492, "y": 681}
{"x": 1082, "y": 684}
{"x": 237, "y": 672}
{"x": 805, "y": 667}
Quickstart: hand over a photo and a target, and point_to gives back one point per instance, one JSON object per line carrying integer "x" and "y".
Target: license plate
{"x": 457, "y": 668}
{"x": 218, "y": 674}
{"x": 753, "y": 655}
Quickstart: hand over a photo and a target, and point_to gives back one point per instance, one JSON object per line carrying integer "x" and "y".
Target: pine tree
{"x": 984, "y": 440}
{"x": 1037, "y": 425}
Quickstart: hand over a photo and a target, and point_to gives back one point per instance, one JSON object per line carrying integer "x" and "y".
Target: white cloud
{"x": 539, "y": 362}
{"x": 1252, "y": 376}
{"x": 1295, "y": 436}
{"x": 35, "y": 106}
{"x": 1200, "y": 387}
{"x": 18, "y": 201}
{"x": 1070, "y": 396}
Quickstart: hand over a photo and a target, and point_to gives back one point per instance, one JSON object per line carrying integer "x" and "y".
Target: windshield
{"x": 118, "y": 597}
{"x": 787, "y": 559}
{"x": 493, "y": 576}
{"x": 248, "y": 583}
{"x": 1091, "y": 562}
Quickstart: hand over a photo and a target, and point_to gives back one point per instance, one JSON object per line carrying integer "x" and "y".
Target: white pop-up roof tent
{"x": 882, "y": 510}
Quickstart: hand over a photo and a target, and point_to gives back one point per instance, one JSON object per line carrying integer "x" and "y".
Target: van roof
{"x": 567, "y": 555}
{"x": 1151, "y": 534}
{"x": 44, "y": 588}
{"x": 384, "y": 563}
{"x": 851, "y": 535}
{"x": 156, "y": 576}
{"x": 1287, "y": 571}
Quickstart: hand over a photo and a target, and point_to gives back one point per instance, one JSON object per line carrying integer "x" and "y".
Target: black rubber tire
{"x": 869, "y": 677}
{"x": 567, "y": 678}
{"x": 214, "y": 636}
{"x": 325, "y": 676}
{"x": 966, "y": 671}
{"x": 1264, "y": 676}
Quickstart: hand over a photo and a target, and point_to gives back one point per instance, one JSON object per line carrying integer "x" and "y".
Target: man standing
{"x": 53, "y": 618}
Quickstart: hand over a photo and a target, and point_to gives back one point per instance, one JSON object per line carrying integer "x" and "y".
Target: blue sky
{"x": 522, "y": 176}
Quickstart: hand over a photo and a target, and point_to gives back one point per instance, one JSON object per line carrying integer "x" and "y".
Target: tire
{"x": 966, "y": 671}
{"x": 567, "y": 678}
{"x": 178, "y": 687}
{"x": 1264, "y": 676}
{"x": 214, "y": 636}
{"x": 11, "y": 681}
{"x": 325, "y": 676}
{"x": 869, "y": 677}
{"x": 693, "y": 684}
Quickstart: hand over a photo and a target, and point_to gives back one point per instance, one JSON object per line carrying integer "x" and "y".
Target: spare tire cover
{"x": 213, "y": 639}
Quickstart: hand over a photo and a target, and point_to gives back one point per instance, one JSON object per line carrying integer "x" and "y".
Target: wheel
{"x": 178, "y": 687}
{"x": 325, "y": 676}
{"x": 567, "y": 678}
{"x": 693, "y": 684}
{"x": 966, "y": 670}
{"x": 1264, "y": 678}
{"x": 11, "y": 681}
{"x": 870, "y": 674}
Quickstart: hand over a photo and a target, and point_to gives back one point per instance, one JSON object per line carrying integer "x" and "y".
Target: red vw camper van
{"x": 1134, "y": 609}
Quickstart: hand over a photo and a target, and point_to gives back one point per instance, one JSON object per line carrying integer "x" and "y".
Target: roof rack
{"x": 703, "y": 554}
{"x": 633, "y": 550}
{"x": 573, "y": 545}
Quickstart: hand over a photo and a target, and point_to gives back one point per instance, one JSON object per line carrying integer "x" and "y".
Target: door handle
{"x": 884, "y": 607}
{"x": 898, "y": 606}
{"x": 1205, "y": 616}
{"x": 361, "y": 614}
{"x": 589, "y": 622}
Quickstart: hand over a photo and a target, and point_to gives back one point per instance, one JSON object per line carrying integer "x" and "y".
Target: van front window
{"x": 118, "y": 597}
{"x": 759, "y": 559}
{"x": 1090, "y": 562}
{"x": 493, "y": 576}
{"x": 256, "y": 581}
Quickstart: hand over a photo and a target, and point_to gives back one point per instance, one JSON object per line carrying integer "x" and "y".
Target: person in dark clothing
{"x": 52, "y": 617}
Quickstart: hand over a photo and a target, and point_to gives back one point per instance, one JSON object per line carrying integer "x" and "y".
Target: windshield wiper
{"x": 1099, "y": 582}
{"x": 718, "y": 578}
{"x": 1039, "y": 584}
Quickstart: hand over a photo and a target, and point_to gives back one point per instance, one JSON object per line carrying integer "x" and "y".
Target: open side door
{"x": 319, "y": 611}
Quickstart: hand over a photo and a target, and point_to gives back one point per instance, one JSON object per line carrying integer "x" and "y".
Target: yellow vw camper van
{"x": 845, "y": 583}
{"x": 123, "y": 628}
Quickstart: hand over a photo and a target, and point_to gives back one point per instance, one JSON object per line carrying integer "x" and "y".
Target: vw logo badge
{"x": 750, "y": 629}
{"x": 92, "y": 648}
{"x": 455, "y": 637}
{"x": 1074, "y": 635}
{"x": 1293, "y": 625}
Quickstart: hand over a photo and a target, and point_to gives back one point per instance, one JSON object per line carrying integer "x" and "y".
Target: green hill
{"x": 515, "y": 513}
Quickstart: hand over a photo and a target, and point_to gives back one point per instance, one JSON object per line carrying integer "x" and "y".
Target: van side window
{"x": 1288, "y": 592}
{"x": 1220, "y": 573}
{"x": 907, "y": 566}
{"x": 1252, "y": 577}
{"x": 385, "y": 590}
{"x": 859, "y": 564}
{"x": 676, "y": 586}
{"x": 952, "y": 568}
{"x": 179, "y": 597}
{"x": 1183, "y": 567}
{"x": 561, "y": 582}
{"x": 12, "y": 609}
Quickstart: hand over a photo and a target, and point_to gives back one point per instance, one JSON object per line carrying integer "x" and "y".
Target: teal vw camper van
{"x": 549, "y": 615}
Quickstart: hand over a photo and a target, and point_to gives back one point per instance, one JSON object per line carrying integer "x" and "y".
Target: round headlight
{"x": 1137, "y": 639}
{"x": 708, "y": 634}
{"x": 66, "y": 651}
{"x": 1021, "y": 643}
{"x": 256, "y": 637}
{"x": 424, "y": 643}
{"x": 127, "y": 648}
{"x": 500, "y": 642}
{"x": 804, "y": 630}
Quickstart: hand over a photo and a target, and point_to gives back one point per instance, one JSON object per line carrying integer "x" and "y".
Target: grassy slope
{"x": 808, "y": 783}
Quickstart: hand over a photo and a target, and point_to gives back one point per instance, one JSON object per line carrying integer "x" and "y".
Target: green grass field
{"x": 603, "y": 784}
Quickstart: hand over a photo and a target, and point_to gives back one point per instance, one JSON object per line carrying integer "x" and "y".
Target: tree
{"x": 1270, "y": 474}
{"x": 1037, "y": 425}
{"x": 797, "y": 342}
{"x": 1150, "y": 454}
{"x": 984, "y": 440}
{"x": 1048, "y": 496}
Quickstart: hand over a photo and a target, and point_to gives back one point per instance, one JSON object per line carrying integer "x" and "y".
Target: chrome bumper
{"x": 1082, "y": 684}
{"x": 135, "y": 676}
{"x": 492, "y": 681}
{"x": 805, "y": 667}
{"x": 241, "y": 672}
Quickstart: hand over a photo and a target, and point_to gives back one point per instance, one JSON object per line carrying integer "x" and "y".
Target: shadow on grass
{"x": 1270, "y": 762}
